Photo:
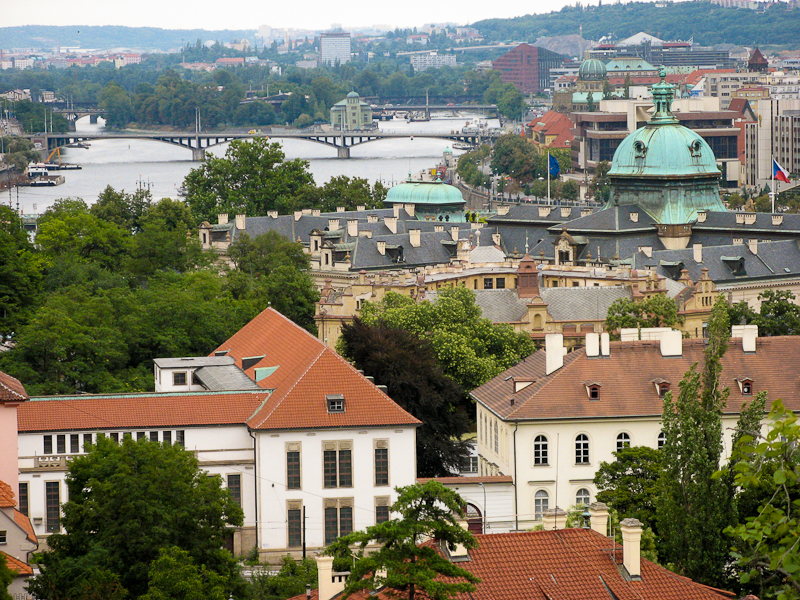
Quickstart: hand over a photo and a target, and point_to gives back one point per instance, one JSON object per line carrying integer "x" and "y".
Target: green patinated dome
{"x": 353, "y": 95}
{"x": 430, "y": 193}
{"x": 666, "y": 168}
{"x": 592, "y": 70}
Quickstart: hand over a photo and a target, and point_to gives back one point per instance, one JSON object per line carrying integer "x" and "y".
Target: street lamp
{"x": 484, "y": 506}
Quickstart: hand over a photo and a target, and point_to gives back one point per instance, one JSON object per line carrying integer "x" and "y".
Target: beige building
{"x": 352, "y": 113}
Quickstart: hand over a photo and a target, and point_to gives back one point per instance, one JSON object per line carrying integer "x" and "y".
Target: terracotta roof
{"x": 138, "y": 410}
{"x": 11, "y": 390}
{"x": 19, "y": 567}
{"x": 302, "y": 371}
{"x": 697, "y": 74}
{"x": 569, "y": 564}
{"x": 627, "y": 378}
{"x": 465, "y": 480}
{"x": 25, "y": 523}
{"x": 6, "y": 496}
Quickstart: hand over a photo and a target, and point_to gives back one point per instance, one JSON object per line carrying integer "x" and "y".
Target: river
{"x": 130, "y": 164}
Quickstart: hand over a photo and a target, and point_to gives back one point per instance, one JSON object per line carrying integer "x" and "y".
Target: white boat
{"x": 37, "y": 169}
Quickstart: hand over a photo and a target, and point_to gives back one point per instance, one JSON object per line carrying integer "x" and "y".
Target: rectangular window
{"x": 345, "y": 468}
{"x": 3, "y": 536}
{"x": 87, "y": 439}
{"x": 23, "y": 498}
{"x": 48, "y": 444}
{"x": 501, "y": 283}
{"x": 338, "y": 519}
{"x": 153, "y": 436}
{"x": 139, "y": 435}
{"x": 52, "y": 506}
{"x": 293, "y": 470}
{"x": 382, "y": 466}
{"x": 295, "y": 526}
{"x": 61, "y": 444}
{"x": 331, "y": 524}
{"x": 381, "y": 514}
{"x": 179, "y": 378}
{"x": 337, "y": 464}
{"x": 235, "y": 488}
{"x": 74, "y": 443}
{"x": 329, "y": 474}
{"x": 114, "y": 437}
{"x": 488, "y": 283}
{"x": 179, "y": 439}
{"x": 167, "y": 438}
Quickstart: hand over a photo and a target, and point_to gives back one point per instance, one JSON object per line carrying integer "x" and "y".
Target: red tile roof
{"x": 25, "y": 523}
{"x": 11, "y": 390}
{"x": 138, "y": 410}
{"x": 627, "y": 375}
{"x": 698, "y": 74}
{"x": 19, "y": 567}
{"x": 6, "y": 496}
{"x": 306, "y": 371}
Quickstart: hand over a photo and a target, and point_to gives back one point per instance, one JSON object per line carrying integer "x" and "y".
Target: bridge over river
{"x": 199, "y": 142}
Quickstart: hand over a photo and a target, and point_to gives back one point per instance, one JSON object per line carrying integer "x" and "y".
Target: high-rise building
{"x": 528, "y": 67}
{"x": 334, "y": 48}
{"x": 776, "y": 135}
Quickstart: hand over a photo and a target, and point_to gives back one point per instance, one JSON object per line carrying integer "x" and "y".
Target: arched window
{"x": 583, "y": 497}
{"x": 582, "y": 449}
{"x": 541, "y": 502}
{"x": 474, "y": 519}
{"x": 540, "y": 450}
{"x": 623, "y": 441}
{"x": 662, "y": 439}
{"x": 496, "y": 438}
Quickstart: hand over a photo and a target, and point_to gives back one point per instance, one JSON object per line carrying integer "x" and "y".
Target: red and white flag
{"x": 779, "y": 173}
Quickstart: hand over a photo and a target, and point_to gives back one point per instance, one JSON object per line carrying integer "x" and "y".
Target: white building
{"x": 432, "y": 60}
{"x": 316, "y": 442}
{"x": 552, "y": 419}
{"x": 334, "y": 48}
{"x": 775, "y": 135}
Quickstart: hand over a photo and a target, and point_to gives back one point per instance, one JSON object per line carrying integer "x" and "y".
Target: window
{"x": 583, "y": 497}
{"x": 235, "y": 488}
{"x": 381, "y": 462}
{"x": 747, "y": 387}
{"x": 501, "y": 283}
{"x": 74, "y": 443}
{"x": 114, "y": 437}
{"x": 61, "y": 444}
{"x": 541, "y": 502}
{"x": 23, "y": 498}
{"x": 488, "y": 283}
{"x": 540, "y": 450}
{"x": 582, "y": 449}
{"x": 167, "y": 438}
{"x": 179, "y": 378}
{"x": 496, "y": 438}
{"x": 3, "y": 536}
{"x": 52, "y": 506}
{"x": 338, "y": 518}
{"x": 623, "y": 441}
{"x": 662, "y": 439}
{"x": 179, "y": 438}
{"x": 663, "y": 388}
{"x": 294, "y": 519}
{"x": 140, "y": 435}
{"x": 293, "y": 466}
{"x": 87, "y": 439}
{"x": 335, "y": 403}
{"x": 153, "y": 436}
{"x": 469, "y": 464}
{"x": 594, "y": 392}
{"x": 337, "y": 464}
{"x": 381, "y": 509}
{"x": 48, "y": 444}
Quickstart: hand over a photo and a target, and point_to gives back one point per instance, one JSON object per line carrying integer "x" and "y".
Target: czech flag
{"x": 554, "y": 167}
{"x": 779, "y": 173}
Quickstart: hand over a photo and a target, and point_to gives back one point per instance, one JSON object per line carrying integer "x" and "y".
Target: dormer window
{"x": 745, "y": 386}
{"x": 592, "y": 389}
{"x": 335, "y": 403}
{"x": 662, "y": 386}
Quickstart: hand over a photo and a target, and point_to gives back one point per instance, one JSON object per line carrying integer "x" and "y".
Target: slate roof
{"x": 487, "y": 254}
{"x": 529, "y": 213}
{"x": 610, "y": 220}
{"x": 193, "y": 362}
{"x": 726, "y": 221}
{"x": 11, "y": 390}
{"x": 627, "y": 378}
{"x": 582, "y": 303}
{"x": 227, "y": 377}
{"x": 499, "y": 306}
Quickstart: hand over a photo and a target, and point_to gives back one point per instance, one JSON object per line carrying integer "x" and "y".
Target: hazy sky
{"x": 249, "y": 14}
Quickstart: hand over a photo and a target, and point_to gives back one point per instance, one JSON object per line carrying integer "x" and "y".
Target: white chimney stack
{"x": 697, "y": 251}
{"x": 554, "y": 518}
{"x": 391, "y": 223}
{"x": 414, "y": 237}
{"x": 330, "y": 583}
{"x": 222, "y": 218}
{"x": 352, "y": 227}
{"x": 749, "y": 335}
{"x": 632, "y": 547}
{"x": 381, "y": 245}
{"x": 599, "y": 517}
{"x": 605, "y": 344}
{"x": 672, "y": 343}
{"x": 592, "y": 344}
{"x": 454, "y": 232}
{"x": 240, "y": 222}
{"x": 752, "y": 244}
{"x": 554, "y": 352}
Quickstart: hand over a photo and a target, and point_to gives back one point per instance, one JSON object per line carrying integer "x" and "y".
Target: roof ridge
{"x": 58, "y": 398}
{"x": 15, "y": 393}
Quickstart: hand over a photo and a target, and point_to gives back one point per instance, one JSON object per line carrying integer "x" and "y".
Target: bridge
{"x": 73, "y": 114}
{"x": 199, "y": 142}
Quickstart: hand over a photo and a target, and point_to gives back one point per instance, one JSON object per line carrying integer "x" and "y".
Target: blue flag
{"x": 554, "y": 168}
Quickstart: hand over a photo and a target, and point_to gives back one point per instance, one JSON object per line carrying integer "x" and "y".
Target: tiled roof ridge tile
{"x": 4, "y": 386}
{"x": 127, "y": 395}
{"x": 6, "y": 495}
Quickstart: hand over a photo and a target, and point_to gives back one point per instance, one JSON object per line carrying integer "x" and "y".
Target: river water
{"x": 130, "y": 164}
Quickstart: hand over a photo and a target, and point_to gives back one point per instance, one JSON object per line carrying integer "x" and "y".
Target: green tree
{"x": 264, "y": 253}
{"x": 569, "y": 190}
{"x": 658, "y": 310}
{"x": 779, "y": 314}
{"x": 124, "y": 210}
{"x": 84, "y": 236}
{"x": 693, "y": 507}
{"x": 128, "y": 502}
{"x": 20, "y": 273}
{"x": 512, "y": 155}
{"x": 600, "y": 187}
{"x": 6, "y": 579}
{"x": 404, "y": 563}
{"x": 512, "y": 104}
{"x": 407, "y": 365}
{"x": 117, "y": 104}
{"x": 350, "y": 193}
{"x": 19, "y": 152}
{"x": 175, "y": 576}
{"x": 290, "y": 581}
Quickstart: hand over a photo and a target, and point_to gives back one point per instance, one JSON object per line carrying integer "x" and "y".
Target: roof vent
{"x": 251, "y": 361}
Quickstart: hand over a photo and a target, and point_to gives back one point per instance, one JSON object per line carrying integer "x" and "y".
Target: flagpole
{"x": 548, "y": 176}
{"x": 773, "y": 185}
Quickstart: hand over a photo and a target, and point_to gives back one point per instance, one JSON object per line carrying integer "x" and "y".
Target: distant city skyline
{"x": 248, "y": 14}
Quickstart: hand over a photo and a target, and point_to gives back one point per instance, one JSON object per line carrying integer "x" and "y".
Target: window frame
{"x": 294, "y": 468}
{"x": 541, "y": 448}
{"x": 294, "y": 524}
{"x": 24, "y": 498}
{"x": 587, "y": 495}
{"x": 541, "y": 503}
{"x": 582, "y": 452}
{"x": 179, "y": 378}
{"x": 52, "y": 491}
{"x": 623, "y": 440}
{"x": 381, "y": 463}
{"x": 47, "y": 446}
{"x": 235, "y": 489}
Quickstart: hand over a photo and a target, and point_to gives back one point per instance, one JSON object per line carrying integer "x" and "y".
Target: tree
{"x": 779, "y": 314}
{"x": 766, "y": 546}
{"x": 407, "y": 365}
{"x": 20, "y": 273}
{"x": 350, "y": 193}
{"x": 175, "y": 576}
{"x": 404, "y": 563}
{"x": 692, "y": 506}
{"x": 600, "y": 188}
{"x": 514, "y": 156}
{"x": 124, "y": 210}
{"x": 629, "y": 484}
{"x": 6, "y": 579}
{"x": 290, "y": 581}
{"x": 127, "y": 503}
{"x": 117, "y": 104}
{"x": 512, "y": 104}
{"x": 658, "y": 310}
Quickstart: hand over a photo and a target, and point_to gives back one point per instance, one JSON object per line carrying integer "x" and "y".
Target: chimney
{"x": 697, "y": 251}
{"x": 361, "y": 207}
{"x": 554, "y": 352}
{"x": 647, "y": 251}
{"x": 240, "y": 222}
{"x": 315, "y": 212}
{"x": 593, "y": 345}
{"x": 672, "y": 343}
{"x": 629, "y": 334}
{"x": 396, "y": 210}
{"x": 777, "y": 219}
{"x": 454, "y": 233}
{"x": 634, "y": 217}
{"x": 414, "y": 237}
{"x": 352, "y": 227}
{"x": 544, "y": 211}
{"x": 222, "y": 218}
{"x": 554, "y": 518}
{"x": 605, "y": 344}
{"x": 381, "y": 247}
{"x": 272, "y": 214}
{"x": 333, "y": 224}
{"x": 599, "y": 517}
{"x": 632, "y": 547}
{"x": 340, "y": 209}
{"x": 438, "y": 228}
{"x": 503, "y": 210}
{"x": 298, "y": 214}
{"x": 740, "y": 218}
{"x": 701, "y": 216}
{"x": 391, "y": 223}
{"x": 585, "y": 212}
{"x": 330, "y": 583}
{"x": 749, "y": 218}
{"x": 410, "y": 209}
{"x": 372, "y": 218}
{"x": 749, "y": 335}
{"x": 566, "y": 211}
{"x": 752, "y": 244}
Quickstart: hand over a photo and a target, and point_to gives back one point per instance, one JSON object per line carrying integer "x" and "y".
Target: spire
{"x": 663, "y": 93}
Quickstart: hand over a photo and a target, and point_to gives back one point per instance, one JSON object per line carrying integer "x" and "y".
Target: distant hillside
{"x": 144, "y": 38}
{"x": 707, "y": 23}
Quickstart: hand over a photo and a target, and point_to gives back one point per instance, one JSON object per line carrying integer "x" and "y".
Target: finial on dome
{"x": 663, "y": 93}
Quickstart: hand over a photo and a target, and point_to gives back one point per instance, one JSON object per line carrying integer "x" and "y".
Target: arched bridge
{"x": 199, "y": 142}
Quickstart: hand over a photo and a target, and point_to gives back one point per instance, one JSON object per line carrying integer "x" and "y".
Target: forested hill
{"x": 705, "y": 22}
{"x": 111, "y": 36}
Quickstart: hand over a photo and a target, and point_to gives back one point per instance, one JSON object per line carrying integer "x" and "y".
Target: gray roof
{"x": 225, "y": 378}
{"x": 499, "y": 306}
{"x": 193, "y": 362}
{"x": 610, "y": 220}
{"x": 484, "y": 254}
{"x": 582, "y": 303}
{"x": 529, "y": 213}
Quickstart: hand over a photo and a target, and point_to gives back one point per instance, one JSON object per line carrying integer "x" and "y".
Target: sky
{"x": 250, "y": 14}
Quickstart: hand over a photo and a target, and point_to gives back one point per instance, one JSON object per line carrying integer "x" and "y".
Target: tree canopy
{"x": 657, "y": 310}
{"x": 779, "y": 313}
{"x": 405, "y": 563}
{"x": 138, "y": 508}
